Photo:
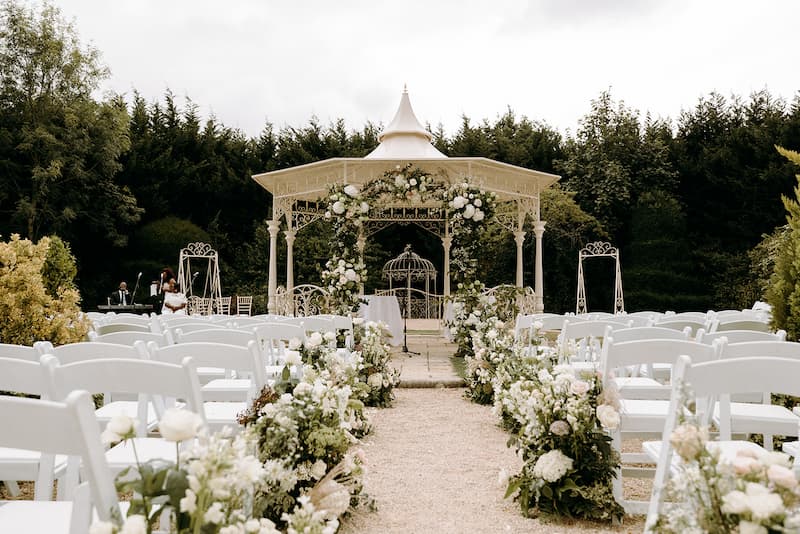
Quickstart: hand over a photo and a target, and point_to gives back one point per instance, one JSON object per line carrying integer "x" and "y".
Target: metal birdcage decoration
{"x": 410, "y": 268}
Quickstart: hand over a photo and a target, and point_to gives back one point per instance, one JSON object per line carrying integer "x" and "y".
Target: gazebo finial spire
{"x": 405, "y": 137}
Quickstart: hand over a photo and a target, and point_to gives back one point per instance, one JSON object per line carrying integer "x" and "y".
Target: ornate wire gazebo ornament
{"x": 410, "y": 267}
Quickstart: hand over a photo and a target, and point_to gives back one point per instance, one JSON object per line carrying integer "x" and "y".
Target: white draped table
{"x": 384, "y": 308}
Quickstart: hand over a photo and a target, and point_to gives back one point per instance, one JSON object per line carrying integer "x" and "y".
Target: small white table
{"x": 385, "y": 308}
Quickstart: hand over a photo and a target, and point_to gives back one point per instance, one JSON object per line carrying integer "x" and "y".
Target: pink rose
{"x": 579, "y": 387}
{"x": 781, "y": 476}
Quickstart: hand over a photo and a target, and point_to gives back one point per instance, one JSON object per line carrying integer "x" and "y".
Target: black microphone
{"x": 195, "y": 276}
{"x": 136, "y": 287}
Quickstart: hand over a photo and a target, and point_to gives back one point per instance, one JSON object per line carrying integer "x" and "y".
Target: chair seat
{"x": 753, "y": 418}
{"x": 221, "y": 414}
{"x": 21, "y": 464}
{"x": 227, "y": 389}
{"x": 35, "y": 517}
{"x": 642, "y": 414}
{"x": 206, "y": 374}
{"x": 728, "y": 450}
{"x": 121, "y": 455}
{"x": 642, "y": 387}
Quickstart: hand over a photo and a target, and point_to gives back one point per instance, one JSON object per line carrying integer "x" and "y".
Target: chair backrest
{"x": 67, "y": 427}
{"x": 244, "y": 305}
{"x": 21, "y": 352}
{"x": 316, "y": 323}
{"x": 155, "y": 378}
{"x": 669, "y": 321}
{"x": 638, "y": 333}
{"x": 587, "y": 334}
{"x": 203, "y": 354}
{"x": 93, "y": 350}
{"x": 108, "y": 328}
{"x": 128, "y": 318}
{"x": 556, "y": 322}
{"x": 228, "y": 336}
{"x": 129, "y": 338}
{"x": 343, "y": 322}
{"x": 758, "y": 349}
{"x": 654, "y": 315}
{"x": 194, "y": 327}
{"x": 649, "y": 351}
{"x": 743, "y": 324}
{"x": 223, "y": 305}
{"x": 273, "y": 337}
{"x": 22, "y": 376}
{"x": 740, "y": 336}
{"x": 246, "y": 322}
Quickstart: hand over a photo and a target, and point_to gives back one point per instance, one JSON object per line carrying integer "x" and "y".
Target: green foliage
{"x": 784, "y": 291}
{"x": 27, "y": 312}
{"x": 59, "y": 268}
{"x": 161, "y": 241}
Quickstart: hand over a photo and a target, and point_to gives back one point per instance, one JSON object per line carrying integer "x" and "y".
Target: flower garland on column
{"x": 345, "y": 269}
{"x": 467, "y": 206}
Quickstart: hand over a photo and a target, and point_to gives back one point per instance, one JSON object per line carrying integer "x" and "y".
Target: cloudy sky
{"x": 252, "y": 61}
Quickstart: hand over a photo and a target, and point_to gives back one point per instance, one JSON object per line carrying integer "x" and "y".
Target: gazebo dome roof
{"x": 409, "y": 265}
{"x": 405, "y": 137}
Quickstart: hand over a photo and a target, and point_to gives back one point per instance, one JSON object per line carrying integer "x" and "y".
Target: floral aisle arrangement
{"x": 467, "y": 206}
{"x": 303, "y": 437}
{"x": 492, "y": 343}
{"x": 379, "y": 377}
{"x": 751, "y": 493}
{"x": 468, "y": 301}
{"x": 209, "y": 487}
{"x": 558, "y": 420}
{"x": 345, "y": 270}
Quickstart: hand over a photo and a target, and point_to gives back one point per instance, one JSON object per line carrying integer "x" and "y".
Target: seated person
{"x": 120, "y": 296}
{"x": 174, "y": 301}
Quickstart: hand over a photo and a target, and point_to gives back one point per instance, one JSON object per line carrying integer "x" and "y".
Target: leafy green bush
{"x": 59, "y": 267}
{"x": 27, "y": 312}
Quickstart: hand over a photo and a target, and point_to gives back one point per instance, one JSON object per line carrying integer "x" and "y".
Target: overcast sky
{"x": 250, "y": 61}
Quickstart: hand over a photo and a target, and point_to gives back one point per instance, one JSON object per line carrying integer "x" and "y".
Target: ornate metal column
{"x": 273, "y": 226}
{"x": 538, "y": 286}
{"x": 447, "y": 242}
{"x": 519, "y": 238}
{"x": 290, "y": 236}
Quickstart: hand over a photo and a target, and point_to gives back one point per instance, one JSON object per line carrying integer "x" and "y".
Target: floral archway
{"x": 465, "y": 206}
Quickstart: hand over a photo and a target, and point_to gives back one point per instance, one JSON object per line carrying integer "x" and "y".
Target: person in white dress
{"x": 174, "y": 301}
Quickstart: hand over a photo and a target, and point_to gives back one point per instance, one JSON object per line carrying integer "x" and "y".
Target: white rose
{"x": 134, "y": 524}
{"x": 459, "y": 202}
{"x": 122, "y": 425}
{"x": 338, "y": 207}
{"x": 319, "y": 469}
{"x": 762, "y": 507}
{"x": 314, "y": 340}
{"x": 375, "y": 380}
{"x": 399, "y": 181}
{"x": 734, "y": 502}
{"x": 478, "y": 203}
{"x": 781, "y": 476}
{"x": 292, "y": 357}
{"x": 102, "y": 527}
{"x": 179, "y": 425}
{"x": 688, "y": 440}
{"x": 351, "y": 275}
{"x": 608, "y": 416}
{"x": 469, "y": 211}
{"x": 552, "y": 465}
{"x": 581, "y": 387}
{"x": 303, "y": 388}
{"x": 295, "y": 344}
{"x": 351, "y": 190}
{"x": 748, "y": 527}
{"x": 479, "y": 215}
{"x": 329, "y": 336}
{"x": 364, "y": 207}
{"x": 413, "y": 181}
{"x": 108, "y": 437}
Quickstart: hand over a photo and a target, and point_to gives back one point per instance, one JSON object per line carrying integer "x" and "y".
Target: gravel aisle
{"x": 433, "y": 463}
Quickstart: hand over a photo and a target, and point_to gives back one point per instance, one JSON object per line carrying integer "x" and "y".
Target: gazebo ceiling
{"x": 404, "y": 141}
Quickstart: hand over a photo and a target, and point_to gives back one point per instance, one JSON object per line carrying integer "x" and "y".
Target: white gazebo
{"x": 296, "y": 194}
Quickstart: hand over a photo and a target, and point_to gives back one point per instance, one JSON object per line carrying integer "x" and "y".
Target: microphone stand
{"x": 135, "y": 288}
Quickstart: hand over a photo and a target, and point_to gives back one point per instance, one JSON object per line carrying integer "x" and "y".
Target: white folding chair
{"x": 21, "y": 352}
{"x": 586, "y": 336}
{"x": 129, "y": 338}
{"x": 642, "y": 408}
{"x": 740, "y": 336}
{"x": 225, "y": 398}
{"x": 712, "y": 384}
{"x": 108, "y": 328}
{"x": 743, "y": 324}
{"x": 51, "y": 428}
{"x": 657, "y": 371}
{"x": 164, "y": 382}
{"x": 274, "y": 338}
